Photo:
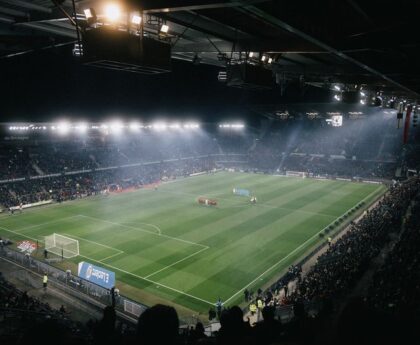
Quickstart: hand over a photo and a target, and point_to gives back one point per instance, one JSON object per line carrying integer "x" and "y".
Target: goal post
{"x": 296, "y": 173}
{"x": 62, "y": 245}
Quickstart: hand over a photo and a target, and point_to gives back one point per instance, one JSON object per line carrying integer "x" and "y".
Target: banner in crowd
{"x": 96, "y": 275}
{"x": 38, "y": 203}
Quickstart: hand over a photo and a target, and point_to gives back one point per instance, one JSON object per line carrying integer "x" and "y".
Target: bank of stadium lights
{"x": 63, "y": 127}
{"x": 27, "y": 128}
{"x": 116, "y": 127}
{"x": 81, "y": 127}
{"x": 135, "y": 126}
{"x": 232, "y": 125}
{"x": 312, "y": 115}
{"x": 191, "y": 125}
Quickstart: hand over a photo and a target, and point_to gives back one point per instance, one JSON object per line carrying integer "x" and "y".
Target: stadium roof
{"x": 318, "y": 42}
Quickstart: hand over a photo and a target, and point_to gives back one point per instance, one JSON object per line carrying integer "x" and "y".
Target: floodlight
{"x": 337, "y": 87}
{"x": 362, "y": 94}
{"x": 116, "y": 126}
{"x": 263, "y": 58}
{"x": 81, "y": 127}
{"x": 164, "y": 28}
{"x": 362, "y": 101}
{"x": 63, "y": 127}
{"x": 89, "y": 13}
{"x": 270, "y": 60}
{"x": 136, "y": 20}
{"x": 191, "y": 125}
{"x": 134, "y": 126}
{"x": 251, "y": 54}
{"x": 337, "y": 97}
{"x": 160, "y": 126}
{"x": 175, "y": 126}
{"x": 112, "y": 12}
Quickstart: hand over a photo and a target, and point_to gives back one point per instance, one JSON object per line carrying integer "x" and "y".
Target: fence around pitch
{"x": 76, "y": 286}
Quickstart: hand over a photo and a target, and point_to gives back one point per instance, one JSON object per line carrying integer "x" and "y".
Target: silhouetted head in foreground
{"x": 158, "y": 325}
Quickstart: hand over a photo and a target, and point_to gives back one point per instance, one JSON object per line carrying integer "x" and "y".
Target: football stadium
{"x": 209, "y": 172}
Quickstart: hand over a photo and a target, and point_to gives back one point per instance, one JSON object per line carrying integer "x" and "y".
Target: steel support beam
{"x": 204, "y": 7}
{"x": 276, "y": 22}
{"x": 13, "y": 12}
{"x": 28, "y": 5}
{"x": 50, "y": 29}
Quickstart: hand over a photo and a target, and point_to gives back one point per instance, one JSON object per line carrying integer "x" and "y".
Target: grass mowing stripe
{"x": 175, "y": 263}
{"x": 291, "y": 253}
{"x": 143, "y": 230}
{"x": 244, "y": 239}
{"x": 45, "y": 223}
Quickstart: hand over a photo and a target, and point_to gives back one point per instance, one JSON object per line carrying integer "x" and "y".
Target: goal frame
{"x": 61, "y": 249}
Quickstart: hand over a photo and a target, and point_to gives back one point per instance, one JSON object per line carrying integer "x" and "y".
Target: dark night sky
{"x": 51, "y": 84}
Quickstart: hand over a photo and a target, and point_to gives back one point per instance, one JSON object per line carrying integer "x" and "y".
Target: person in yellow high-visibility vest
{"x": 45, "y": 281}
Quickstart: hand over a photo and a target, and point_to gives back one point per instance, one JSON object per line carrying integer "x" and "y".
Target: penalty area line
{"x": 126, "y": 272}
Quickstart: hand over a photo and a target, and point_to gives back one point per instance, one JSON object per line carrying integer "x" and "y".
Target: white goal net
{"x": 296, "y": 173}
{"x": 62, "y": 245}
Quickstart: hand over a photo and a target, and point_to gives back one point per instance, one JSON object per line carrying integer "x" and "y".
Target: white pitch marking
{"x": 177, "y": 262}
{"x": 99, "y": 244}
{"x": 153, "y": 282}
{"x": 143, "y": 230}
{"x": 111, "y": 256}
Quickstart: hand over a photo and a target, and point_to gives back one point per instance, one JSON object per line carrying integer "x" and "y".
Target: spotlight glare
{"x": 337, "y": 87}
{"x": 159, "y": 126}
{"x": 362, "y": 94}
{"x": 251, "y": 54}
{"x": 362, "y": 102}
{"x": 81, "y": 127}
{"x": 63, "y": 127}
{"x": 134, "y": 126}
{"x": 116, "y": 126}
{"x": 270, "y": 60}
{"x": 164, "y": 28}
{"x": 112, "y": 12}
{"x": 263, "y": 58}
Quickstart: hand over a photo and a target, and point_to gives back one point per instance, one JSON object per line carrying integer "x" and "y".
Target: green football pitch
{"x": 165, "y": 247}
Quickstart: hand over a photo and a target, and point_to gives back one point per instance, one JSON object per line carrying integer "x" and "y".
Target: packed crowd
{"x": 69, "y": 187}
{"x": 343, "y": 263}
{"x": 396, "y": 285}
